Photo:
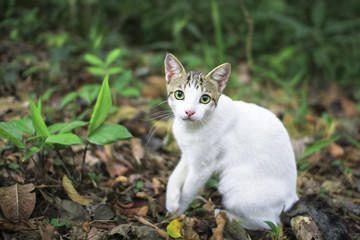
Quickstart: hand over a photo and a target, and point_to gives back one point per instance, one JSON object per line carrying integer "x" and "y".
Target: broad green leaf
{"x": 94, "y": 60}
{"x": 102, "y": 106}
{"x": 57, "y": 127}
{"x": 123, "y": 80}
{"x": 131, "y": 92}
{"x": 174, "y": 227}
{"x": 32, "y": 151}
{"x": 89, "y": 92}
{"x": 65, "y": 139}
{"x": 97, "y": 71}
{"x": 10, "y": 131}
{"x": 68, "y": 98}
{"x": 108, "y": 133}
{"x": 115, "y": 70}
{"x": 73, "y": 125}
{"x": 319, "y": 145}
{"x": 25, "y": 125}
{"x": 112, "y": 56}
{"x": 66, "y": 127}
{"x": 37, "y": 120}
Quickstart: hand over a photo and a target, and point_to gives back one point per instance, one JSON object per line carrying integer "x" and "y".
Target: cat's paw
{"x": 172, "y": 203}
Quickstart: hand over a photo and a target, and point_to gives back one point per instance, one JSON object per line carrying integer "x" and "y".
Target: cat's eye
{"x": 205, "y": 99}
{"x": 179, "y": 95}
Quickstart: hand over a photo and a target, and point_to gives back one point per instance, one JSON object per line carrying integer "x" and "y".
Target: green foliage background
{"x": 319, "y": 37}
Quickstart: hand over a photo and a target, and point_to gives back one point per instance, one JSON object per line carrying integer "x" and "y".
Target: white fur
{"x": 246, "y": 145}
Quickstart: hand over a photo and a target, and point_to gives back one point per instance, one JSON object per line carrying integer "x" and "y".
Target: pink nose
{"x": 189, "y": 113}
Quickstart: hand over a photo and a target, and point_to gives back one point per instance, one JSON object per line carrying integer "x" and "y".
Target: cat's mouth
{"x": 188, "y": 119}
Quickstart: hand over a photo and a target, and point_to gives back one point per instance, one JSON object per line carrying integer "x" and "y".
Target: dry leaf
{"x": 72, "y": 193}
{"x": 112, "y": 167}
{"x": 156, "y": 185}
{"x": 139, "y": 211}
{"x": 112, "y": 182}
{"x": 86, "y": 226}
{"x": 137, "y": 150}
{"x": 336, "y": 151}
{"x": 219, "y": 230}
{"x": 142, "y": 195}
{"x": 17, "y": 202}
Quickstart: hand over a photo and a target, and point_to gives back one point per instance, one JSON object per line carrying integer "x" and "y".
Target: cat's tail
{"x": 330, "y": 224}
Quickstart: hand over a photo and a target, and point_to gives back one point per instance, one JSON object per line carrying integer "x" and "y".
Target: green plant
{"x": 55, "y": 222}
{"x": 275, "y": 230}
{"x": 138, "y": 186}
{"x": 58, "y": 136}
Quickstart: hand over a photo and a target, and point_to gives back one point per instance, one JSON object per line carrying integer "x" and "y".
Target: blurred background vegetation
{"x": 293, "y": 45}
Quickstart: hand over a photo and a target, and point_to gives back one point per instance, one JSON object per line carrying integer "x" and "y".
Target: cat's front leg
{"x": 175, "y": 183}
{"x": 194, "y": 182}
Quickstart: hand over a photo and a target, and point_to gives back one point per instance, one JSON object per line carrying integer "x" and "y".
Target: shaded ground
{"x": 125, "y": 181}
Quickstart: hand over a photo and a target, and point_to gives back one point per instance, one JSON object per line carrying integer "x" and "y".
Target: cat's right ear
{"x": 173, "y": 67}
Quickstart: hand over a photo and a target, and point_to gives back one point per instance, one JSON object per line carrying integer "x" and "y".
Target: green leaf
{"x": 174, "y": 227}
{"x": 115, "y": 70}
{"x": 123, "y": 80}
{"x": 97, "y": 71}
{"x": 94, "y": 60}
{"x": 37, "y": 120}
{"x": 65, "y": 139}
{"x": 318, "y": 13}
{"x": 112, "y": 56}
{"x": 32, "y": 151}
{"x": 68, "y": 98}
{"x": 57, "y": 127}
{"x": 66, "y": 127}
{"x": 271, "y": 225}
{"x": 108, "y": 133}
{"x": 352, "y": 140}
{"x": 131, "y": 92}
{"x": 25, "y": 125}
{"x": 10, "y": 131}
{"x": 73, "y": 125}
{"x": 49, "y": 92}
{"x": 319, "y": 145}
{"x": 89, "y": 92}
{"x": 30, "y": 71}
{"x": 102, "y": 107}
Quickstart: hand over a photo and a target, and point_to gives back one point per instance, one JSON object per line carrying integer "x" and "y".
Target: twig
{"x": 83, "y": 162}
{"x": 158, "y": 230}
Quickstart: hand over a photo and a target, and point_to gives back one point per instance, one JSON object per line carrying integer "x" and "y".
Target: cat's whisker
{"x": 157, "y": 126}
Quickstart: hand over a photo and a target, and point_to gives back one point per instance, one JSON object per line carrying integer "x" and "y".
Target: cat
{"x": 245, "y": 144}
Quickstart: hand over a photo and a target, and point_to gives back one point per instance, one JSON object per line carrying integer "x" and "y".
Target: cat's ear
{"x": 173, "y": 67}
{"x": 220, "y": 74}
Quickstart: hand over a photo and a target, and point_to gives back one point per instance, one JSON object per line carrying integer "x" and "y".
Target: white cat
{"x": 245, "y": 144}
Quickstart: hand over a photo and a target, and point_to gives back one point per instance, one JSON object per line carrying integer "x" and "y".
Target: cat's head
{"x": 193, "y": 95}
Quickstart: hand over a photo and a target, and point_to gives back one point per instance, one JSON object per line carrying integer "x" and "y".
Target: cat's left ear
{"x": 220, "y": 74}
{"x": 173, "y": 67}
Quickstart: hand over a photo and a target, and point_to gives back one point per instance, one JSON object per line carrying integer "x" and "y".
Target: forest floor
{"x": 121, "y": 194}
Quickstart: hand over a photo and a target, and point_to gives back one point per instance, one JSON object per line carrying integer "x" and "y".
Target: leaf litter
{"x": 122, "y": 208}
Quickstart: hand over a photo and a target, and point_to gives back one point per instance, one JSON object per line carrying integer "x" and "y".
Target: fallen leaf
{"x": 336, "y": 151}
{"x": 95, "y": 234}
{"x": 112, "y": 182}
{"x": 86, "y": 226}
{"x": 188, "y": 229}
{"x": 46, "y": 231}
{"x": 137, "y": 150}
{"x": 332, "y": 186}
{"x": 103, "y": 212}
{"x": 142, "y": 195}
{"x": 73, "y": 211}
{"x": 156, "y": 185}
{"x": 209, "y": 207}
{"x": 138, "y": 211}
{"x": 17, "y": 202}
{"x": 174, "y": 227}
{"x": 72, "y": 193}
{"x": 219, "y": 230}
{"x": 112, "y": 167}
{"x": 20, "y": 225}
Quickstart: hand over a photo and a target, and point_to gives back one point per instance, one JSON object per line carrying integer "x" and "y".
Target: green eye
{"x": 205, "y": 99}
{"x": 179, "y": 95}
